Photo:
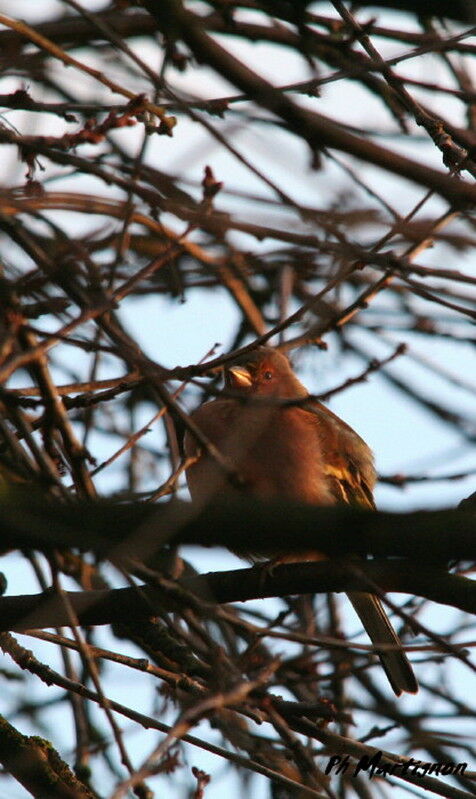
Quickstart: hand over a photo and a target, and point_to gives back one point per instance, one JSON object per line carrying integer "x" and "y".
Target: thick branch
{"x": 243, "y": 524}
{"x": 37, "y": 611}
{"x": 453, "y": 9}
{"x": 37, "y": 766}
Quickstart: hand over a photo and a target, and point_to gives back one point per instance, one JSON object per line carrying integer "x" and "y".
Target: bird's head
{"x": 265, "y": 372}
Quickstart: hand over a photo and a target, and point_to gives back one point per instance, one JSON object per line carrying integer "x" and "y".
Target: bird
{"x": 303, "y": 452}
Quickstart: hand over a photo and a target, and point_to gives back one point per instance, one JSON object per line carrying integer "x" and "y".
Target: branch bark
{"x": 243, "y": 524}
{"x": 37, "y": 611}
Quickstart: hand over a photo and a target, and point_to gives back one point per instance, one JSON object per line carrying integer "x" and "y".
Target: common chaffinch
{"x": 303, "y": 452}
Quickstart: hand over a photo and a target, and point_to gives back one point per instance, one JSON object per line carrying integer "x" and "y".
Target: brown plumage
{"x": 304, "y": 453}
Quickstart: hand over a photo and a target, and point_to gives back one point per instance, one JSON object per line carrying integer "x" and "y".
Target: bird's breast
{"x": 276, "y": 452}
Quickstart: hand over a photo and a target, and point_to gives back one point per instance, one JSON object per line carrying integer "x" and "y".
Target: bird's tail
{"x": 377, "y": 625}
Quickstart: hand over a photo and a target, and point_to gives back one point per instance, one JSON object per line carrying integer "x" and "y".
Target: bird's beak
{"x": 239, "y": 377}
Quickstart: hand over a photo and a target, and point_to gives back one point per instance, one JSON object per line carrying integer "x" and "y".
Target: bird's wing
{"x": 348, "y": 465}
{"x": 348, "y": 461}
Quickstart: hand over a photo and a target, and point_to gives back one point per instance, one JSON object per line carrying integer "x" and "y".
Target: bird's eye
{"x": 268, "y": 375}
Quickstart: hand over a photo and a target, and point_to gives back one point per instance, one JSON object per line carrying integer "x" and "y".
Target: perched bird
{"x": 303, "y": 452}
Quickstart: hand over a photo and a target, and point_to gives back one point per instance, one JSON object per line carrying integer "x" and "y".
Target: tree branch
{"x": 37, "y": 611}
{"x": 114, "y": 530}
